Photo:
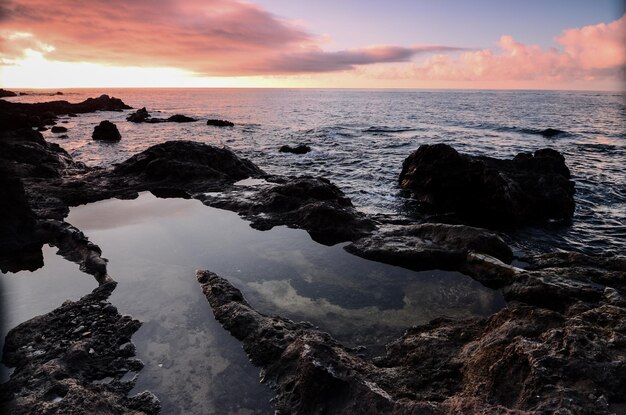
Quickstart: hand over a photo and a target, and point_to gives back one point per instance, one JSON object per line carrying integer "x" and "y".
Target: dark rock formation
{"x": 20, "y": 246}
{"x": 437, "y": 246}
{"x": 485, "y": 191}
{"x": 299, "y": 149}
{"x": 73, "y": 360}
{"x": 58, "y": 93}
{"x": 180, "y": 161}
{"x": 14, "y": 115}
{"x": 220, "y": 123}
{"x": 142, "y": 115}
{"x": 58, "y": 129}
{"x": 180, "y": 118}
{"x": 309, "y": 203}
{"x": 551, "y": 132}
{"x": 106, "y": 131}
{"x": 524, "y": 359}
{"x": 6, "y": 93}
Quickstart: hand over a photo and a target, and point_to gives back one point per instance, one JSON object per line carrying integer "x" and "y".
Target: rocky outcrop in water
{"x": 178, "y": 161}
{"x": 76, "y": 359}
{"x": 58, "y": 129}
{"x": 6, "y": 93}
{"x": 106, "y": 131}
{"x": 219, "y": 123}
{"x": 142, "y": 116}
{"x": 15, "y": 115}
{"x": 299, "y": 149}
{"x": 530, "y": 357}
{"x": 139, "y": 116}
{"x": 552, "y": 132}
{"x": 530, "y": 188}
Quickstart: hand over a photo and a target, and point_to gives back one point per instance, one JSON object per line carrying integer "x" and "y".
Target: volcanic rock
{"x": 438, "y": 246}
{"x": 6, "y": 93}
{"x": 139, "y": 116}
{"x": 59, "y": 357}
{"x": 180, "y": 161}
{"x": 106, "y": 131}
{"x": 530, "y": 188}
{"x": 58, "y": 129}
{"x": 220, "y": 123}
{"x": 299, "y": 149}
{"x": 523, "y": 359}
{"x": 551, "y": 132}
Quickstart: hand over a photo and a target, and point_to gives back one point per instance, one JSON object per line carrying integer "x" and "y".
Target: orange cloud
{"x": 589, "y": 53}
{"x": 208, "y": 37}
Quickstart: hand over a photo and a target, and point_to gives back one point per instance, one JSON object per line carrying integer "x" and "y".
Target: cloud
{"x": 588, "y": 53}
{"x": 209, "y": 37}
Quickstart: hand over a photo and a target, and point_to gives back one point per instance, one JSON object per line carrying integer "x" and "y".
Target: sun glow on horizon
{"x": 35, "y": 71}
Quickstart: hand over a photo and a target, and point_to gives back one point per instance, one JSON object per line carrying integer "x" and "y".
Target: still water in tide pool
{"x": 193, "y": 365}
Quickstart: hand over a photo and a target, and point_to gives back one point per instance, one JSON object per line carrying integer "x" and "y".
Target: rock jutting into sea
{"x": 6, "y": 93}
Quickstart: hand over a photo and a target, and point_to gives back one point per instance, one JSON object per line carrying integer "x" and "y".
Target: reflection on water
{"x": 192, "y": 364}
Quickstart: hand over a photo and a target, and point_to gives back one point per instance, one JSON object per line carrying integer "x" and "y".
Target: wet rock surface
{"x": 299, "y": 149}
{"x": 143, "y": 116}
{"x": 526, "y": 358}
{"x": 72, "y": 360}
{"x": 219, "y": 123}
{"x": 310, "y": 203}
{"x": 438, "y": 246}
{"x": 106, "y": 131}
{"x": 530, "y": 188}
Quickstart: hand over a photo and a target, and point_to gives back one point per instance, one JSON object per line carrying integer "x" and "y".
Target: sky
{"x": 505, "y": 44}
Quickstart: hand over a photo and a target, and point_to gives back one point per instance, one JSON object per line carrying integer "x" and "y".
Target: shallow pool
{"x": 154, "y": 247}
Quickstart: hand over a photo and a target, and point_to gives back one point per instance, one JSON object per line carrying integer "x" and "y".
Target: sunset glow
{"x": 225, "y": 43}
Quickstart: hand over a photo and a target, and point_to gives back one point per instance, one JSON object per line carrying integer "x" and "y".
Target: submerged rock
{"x": 106, "y": 131}
{"x": 59, "y": 357}
{"x": 299, "y": 149}
{"x": 220, "y": 123}
{"x": 552, "y": 132}
{"x": 486, "y": 191}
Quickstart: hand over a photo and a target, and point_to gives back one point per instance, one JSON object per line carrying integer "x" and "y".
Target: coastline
{"x": 495, "y": 365}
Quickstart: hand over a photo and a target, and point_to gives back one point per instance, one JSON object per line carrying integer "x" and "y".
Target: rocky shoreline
{"x": 558, "y": 347}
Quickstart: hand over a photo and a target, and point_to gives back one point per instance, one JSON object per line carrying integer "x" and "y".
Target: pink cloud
{"x": 212, "y": 37}
{"x": 588, "y": 53}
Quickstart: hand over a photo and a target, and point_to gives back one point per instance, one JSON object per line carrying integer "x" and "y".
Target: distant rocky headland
{"x": 559, "y": 346}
